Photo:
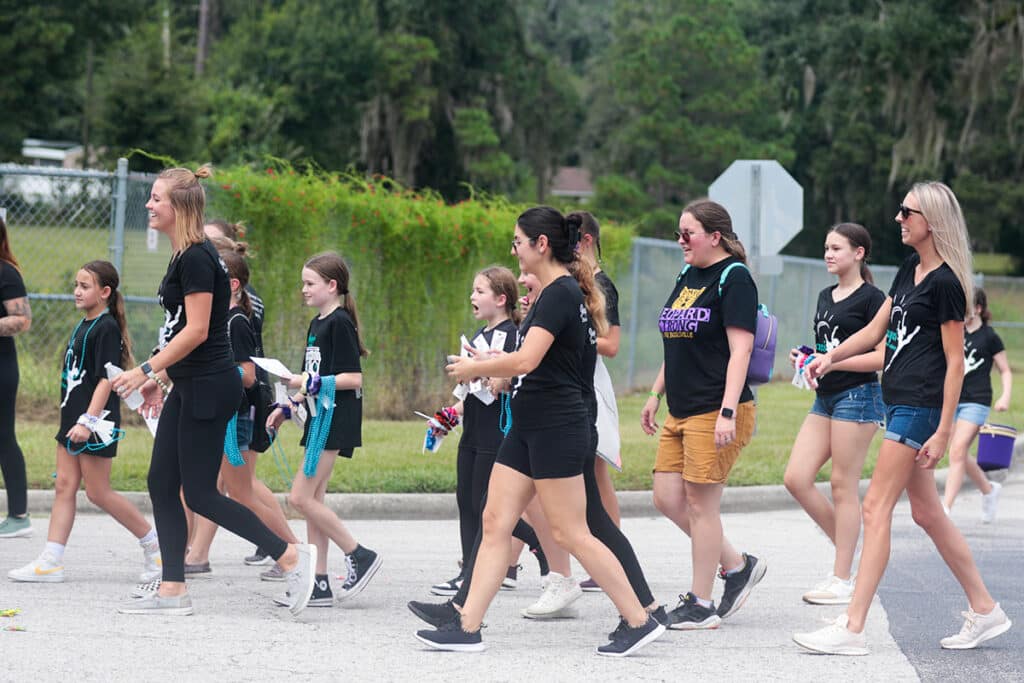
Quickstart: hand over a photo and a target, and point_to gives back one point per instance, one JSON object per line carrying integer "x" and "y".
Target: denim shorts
{"x": 975, "y": 413}
{"x": 858, "y": 404}
{"x": 244, "y": 431}
{"x": 911, "y": 425}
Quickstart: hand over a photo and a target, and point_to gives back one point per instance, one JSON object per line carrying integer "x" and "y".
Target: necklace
{"x": 71, "y": 372}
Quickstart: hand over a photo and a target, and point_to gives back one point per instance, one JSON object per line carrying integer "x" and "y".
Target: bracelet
{"x": 160, "y": 383}
{"x": 285, "y": 410}
{"x": 656, "y": 395}
{"x": 88, "y": 421}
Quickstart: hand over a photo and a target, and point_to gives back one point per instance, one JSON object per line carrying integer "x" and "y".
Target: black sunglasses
{"x": 685, "y": 235}
{"x": 905, "y": 211}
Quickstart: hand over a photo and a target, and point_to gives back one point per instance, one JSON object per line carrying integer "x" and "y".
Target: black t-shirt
{"x": 198, "y": 269}
{"x": 332, "y": 347}
{"x": 243, "y": 346}
{"x": 915, "y": 364}
{"x": 611, "y": 297}
{"x": 256, "y": 319}
{"x": 552, "y": 395}
{"x": 11, "y": 287}
{"x": 95, "y": 343}
{"x": 835, "y": 322}
{"x": 980, "y": 347}
{"x": 480, "y": 423}
{"x": 692, "y": 326}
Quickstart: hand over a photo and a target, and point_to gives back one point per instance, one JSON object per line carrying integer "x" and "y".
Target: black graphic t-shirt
{"x": 611, "y": 298}
{"x": 692, "y": 326}
{"x": 552, "y": 395}
{"x": 835, "y": 322}
{"x": 915, "y": 365}
{"x": 11, "y": 287}
{"x": 480, "y": 423}
{"x": 95, "y": 343}
{"x": 243, "y": 346}
{"x": 258, "y": 311}
{"x": 332, "y": 347}
{"x": 198, "y": 269}
{"x": 980, "y": 348}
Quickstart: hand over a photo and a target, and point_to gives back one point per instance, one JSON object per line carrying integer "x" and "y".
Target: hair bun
{"x": 203, "y": 171}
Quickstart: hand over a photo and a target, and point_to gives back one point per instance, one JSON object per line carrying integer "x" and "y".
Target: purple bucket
{"x": 995, "y": 446}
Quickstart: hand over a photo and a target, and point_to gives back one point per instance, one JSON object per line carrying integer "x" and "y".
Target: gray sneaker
{"x": 16, "y": 527}
{"x": 275, "y": 573}
{"x": 302, "y": 580}
{"x": 178, "y": 605}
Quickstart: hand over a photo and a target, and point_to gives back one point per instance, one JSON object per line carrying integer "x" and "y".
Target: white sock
{"x": 704, "y": 603}
{"x": 55, "y": 549}
{"x": 148, "y": 538}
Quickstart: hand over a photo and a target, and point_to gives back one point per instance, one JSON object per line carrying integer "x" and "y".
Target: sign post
{"x": 767, "y": 209}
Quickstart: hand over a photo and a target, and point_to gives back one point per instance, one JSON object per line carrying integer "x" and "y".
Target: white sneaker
{"x": 43, "y": 569}
{"x": 832, "y": 591}
{"x": 302, "y": 579}
{"x": 989, "y": 502}
{"x": 834, "y": 639}
{"x": 554, "y": 602}
{"x": 978, "y": 628}
{"x": 153, "y": 566}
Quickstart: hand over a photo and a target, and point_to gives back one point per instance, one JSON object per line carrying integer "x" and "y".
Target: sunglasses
{"x": 905, "y": 211}
{"x": 686, "y": 235}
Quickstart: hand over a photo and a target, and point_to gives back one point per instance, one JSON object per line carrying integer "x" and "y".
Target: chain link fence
{"x": 791, "y": 296}
{"x": 58, "y": 219}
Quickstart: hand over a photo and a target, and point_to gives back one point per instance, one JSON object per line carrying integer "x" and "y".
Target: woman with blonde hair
{"x": 922, "y": 323}
{"x": 195, "y": 354}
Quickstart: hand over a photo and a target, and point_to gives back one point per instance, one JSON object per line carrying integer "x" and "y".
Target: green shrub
{"x": 412, "y": 258}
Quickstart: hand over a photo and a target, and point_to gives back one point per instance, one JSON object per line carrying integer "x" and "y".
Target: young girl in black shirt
{"x": 983, "y": 349}
{"x": 195, "y": 355}
{"x": 332, "y": 381}
{"x": 922, "y": 325}
{"x": 847, "y": 410}
{"x": 547, "y": 448}
{"x": 101, "y": 337}
{"x": 238, "y": 467}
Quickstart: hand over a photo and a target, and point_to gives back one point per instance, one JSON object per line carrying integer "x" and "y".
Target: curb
{"x": 442, "y": 505}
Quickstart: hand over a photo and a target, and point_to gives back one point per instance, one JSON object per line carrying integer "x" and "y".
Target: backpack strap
{"x": 725, "y": 274}
{"x": 231, "y": 319}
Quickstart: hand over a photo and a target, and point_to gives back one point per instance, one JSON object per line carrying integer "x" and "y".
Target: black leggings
{"x": 187, "y": 455}
{"x": 473, "y": 469}
{"x": 12, "y": 462}
{"x": 603, "y": 529}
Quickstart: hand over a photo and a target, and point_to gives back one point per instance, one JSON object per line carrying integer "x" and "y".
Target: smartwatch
{"x": 147, "y": 370}
{"x": 728, "y": 413}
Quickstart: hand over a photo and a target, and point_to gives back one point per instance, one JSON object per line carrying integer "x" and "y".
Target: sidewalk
{"x": 74, "y": 633}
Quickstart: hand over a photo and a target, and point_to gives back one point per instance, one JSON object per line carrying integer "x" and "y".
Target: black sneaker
{"x": 433, "y": 613}
{"x": 739, "y": 585}
{"x": 452, "y": 638}
{"x": 627, "y": 640}
{"x": 362, "y": 565}
{"x": 689, "y": 615}
{"x": 659, "y": 616}
{"x": 258, "y": 557}
{"x": 447, "y": 588}
{"x": 322, "y": 595}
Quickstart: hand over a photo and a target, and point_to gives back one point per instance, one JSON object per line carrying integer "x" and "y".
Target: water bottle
{"x": 132, "y": 400}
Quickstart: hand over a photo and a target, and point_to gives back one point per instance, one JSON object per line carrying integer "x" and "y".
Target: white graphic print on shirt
{"x": 830, "y": 333}
{"x": 897, "y": 340}
{"x": 971, "y": 362}
{"x": 167, "y": 329}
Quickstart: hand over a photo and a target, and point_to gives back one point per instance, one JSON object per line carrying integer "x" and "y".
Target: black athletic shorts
{"x": 547, "y": 453}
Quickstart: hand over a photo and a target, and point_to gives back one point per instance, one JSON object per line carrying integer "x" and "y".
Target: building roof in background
{"x": 572, "y": 181}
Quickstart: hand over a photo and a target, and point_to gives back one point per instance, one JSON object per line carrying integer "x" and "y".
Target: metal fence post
{"x": 120, "y": 205}
{"x": 634, "y": 306}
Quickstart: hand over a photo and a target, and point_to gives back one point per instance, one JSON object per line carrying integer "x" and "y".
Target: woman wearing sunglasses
{"x": 707, "y": 328}
{"x": 922, "y": 323}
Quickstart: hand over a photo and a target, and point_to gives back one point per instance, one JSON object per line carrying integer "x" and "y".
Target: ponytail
{"x": 5, "y": 247}
{"x": 106, "y": 276}
{"x": 238, "y": 269}
{"x": 330, "y": 266}
{"x": 348, "y": 302}
{"x": 593, "y": 295}
{"x": 981, "y": 299}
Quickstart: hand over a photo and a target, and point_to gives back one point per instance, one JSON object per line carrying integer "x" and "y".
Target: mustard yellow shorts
{"x": 687, "y": 446}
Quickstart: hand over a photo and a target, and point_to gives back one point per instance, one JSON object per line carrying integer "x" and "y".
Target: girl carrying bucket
{"x": 982, "y": 349}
